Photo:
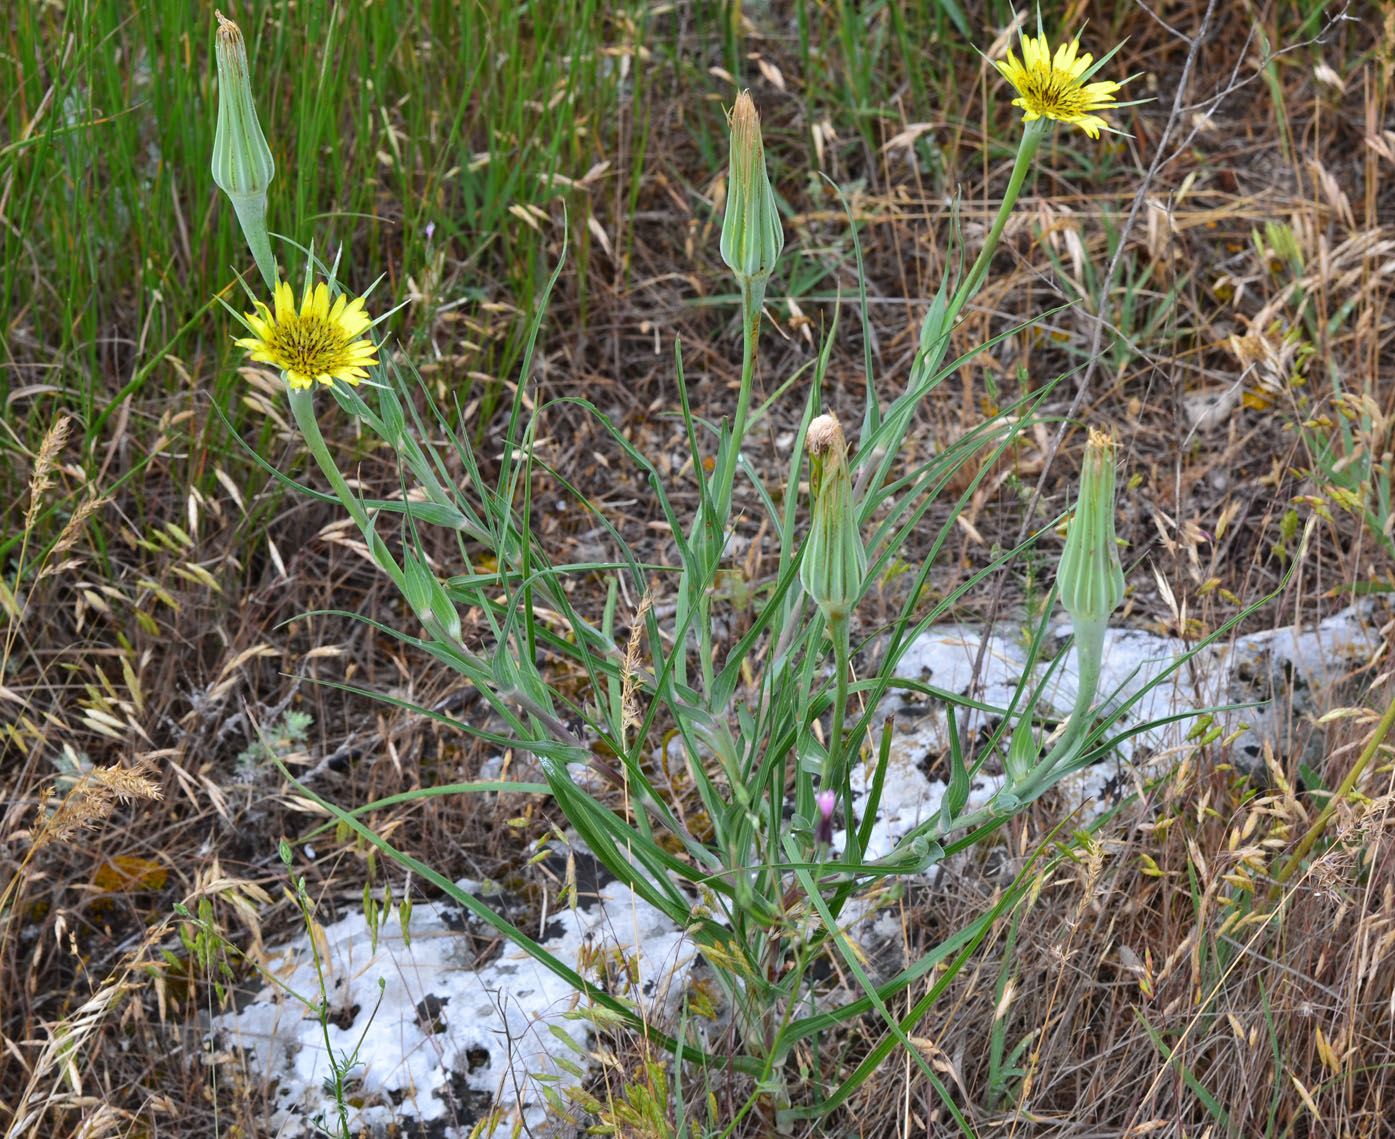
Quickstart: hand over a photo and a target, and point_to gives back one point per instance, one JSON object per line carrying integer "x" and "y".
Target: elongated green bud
{"x": 1022, "y": 753}
{"x": 835, "y": 560}
{"x": 242, "y": 164}
{"x": 1090, "y": 576}
{"x": 752, "y": 236}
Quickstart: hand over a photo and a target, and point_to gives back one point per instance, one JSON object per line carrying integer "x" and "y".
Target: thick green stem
{"x": 1031, "y": 138}
{"x": 874, "y": 473}
{"x": 835, "y": 771}
{"x": 1089, "y": 652}
{"x": 251, "y": 215}
{"x": 709, "y": 535}
{"x": 302, "y": 402}
{"x": 752, "y": 303}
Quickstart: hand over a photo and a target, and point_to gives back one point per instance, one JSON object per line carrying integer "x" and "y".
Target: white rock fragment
{"x": 448, "y": 1043}
{"x": 1208, "y": 410}
{"x": 1284, "y": 667}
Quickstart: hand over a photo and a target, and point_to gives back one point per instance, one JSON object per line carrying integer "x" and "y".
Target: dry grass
{"x": 1160, "y": 996}
{"x": 1161, "y": 993}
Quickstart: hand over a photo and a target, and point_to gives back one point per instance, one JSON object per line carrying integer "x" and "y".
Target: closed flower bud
{"x": 835, "y": 560}
{"x": 752, "y": 237}
{"x": 1090, "y": 577}
{"x": 1022, "y": 753}
{"x": 823, "y": 826}
{"x": 242, "y": 162}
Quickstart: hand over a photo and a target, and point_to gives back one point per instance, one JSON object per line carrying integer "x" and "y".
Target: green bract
{"x": 1090, "y": 576}
{"x": 242, "y": 164}
{"x": 752, "y": 236}
{"x": 835, "y": 560}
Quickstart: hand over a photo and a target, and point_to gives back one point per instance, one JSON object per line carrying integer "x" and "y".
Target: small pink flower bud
{"x": 823, "y": 829}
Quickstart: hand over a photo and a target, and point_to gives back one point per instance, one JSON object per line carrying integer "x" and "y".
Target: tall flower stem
{"x": 835, "y": 773}
{"x": 935, "y": 332}
{"x": 750, "y": 243}
{"x": 710, "y": 532}
{"x": 251, "y": 216}
{"x": 302, "y": 402}
{"x": 752, "y": 304}
{"x": 1032, "y": 134}
{"x": 1089, "y": 647}
{"x": 1089, "y": 653}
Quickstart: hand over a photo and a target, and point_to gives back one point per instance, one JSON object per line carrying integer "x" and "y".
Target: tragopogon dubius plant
{"x": 761, "y": 848}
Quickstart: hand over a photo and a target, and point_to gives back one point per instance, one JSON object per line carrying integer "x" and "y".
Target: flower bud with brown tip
{"x": 1090, "y": 575}
{"x": 242, "y": 164}
{"x": 835, "y": 560}
{"x": 752, "y": 237}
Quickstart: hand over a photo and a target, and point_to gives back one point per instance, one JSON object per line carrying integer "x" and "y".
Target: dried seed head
{"x": 630, "y": 668}
{"x": 92, "y": 799}
{"x": 72, "y": 530}
{"x": 44, "y": 462}
{"x": 823, "y": 435}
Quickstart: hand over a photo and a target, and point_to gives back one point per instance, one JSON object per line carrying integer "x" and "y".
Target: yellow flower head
{"x": 316, "y": 343}
{"x": 1054, "y": 87}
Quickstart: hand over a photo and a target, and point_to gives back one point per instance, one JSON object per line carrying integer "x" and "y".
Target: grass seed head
{"x": 44, "y": 462}
{"x": 92, "y": 799}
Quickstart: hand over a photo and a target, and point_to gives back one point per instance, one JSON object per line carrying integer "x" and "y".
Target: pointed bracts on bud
{"x": 1090, "y": 577}
{"x": 752, "y": 236}
{"x": 1022, "y": 753}
{"x": 835, "y": 560}
{"x": 242, "y": 162}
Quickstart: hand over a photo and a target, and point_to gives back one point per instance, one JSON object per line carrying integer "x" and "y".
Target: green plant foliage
{"x": 767, "y": 723}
